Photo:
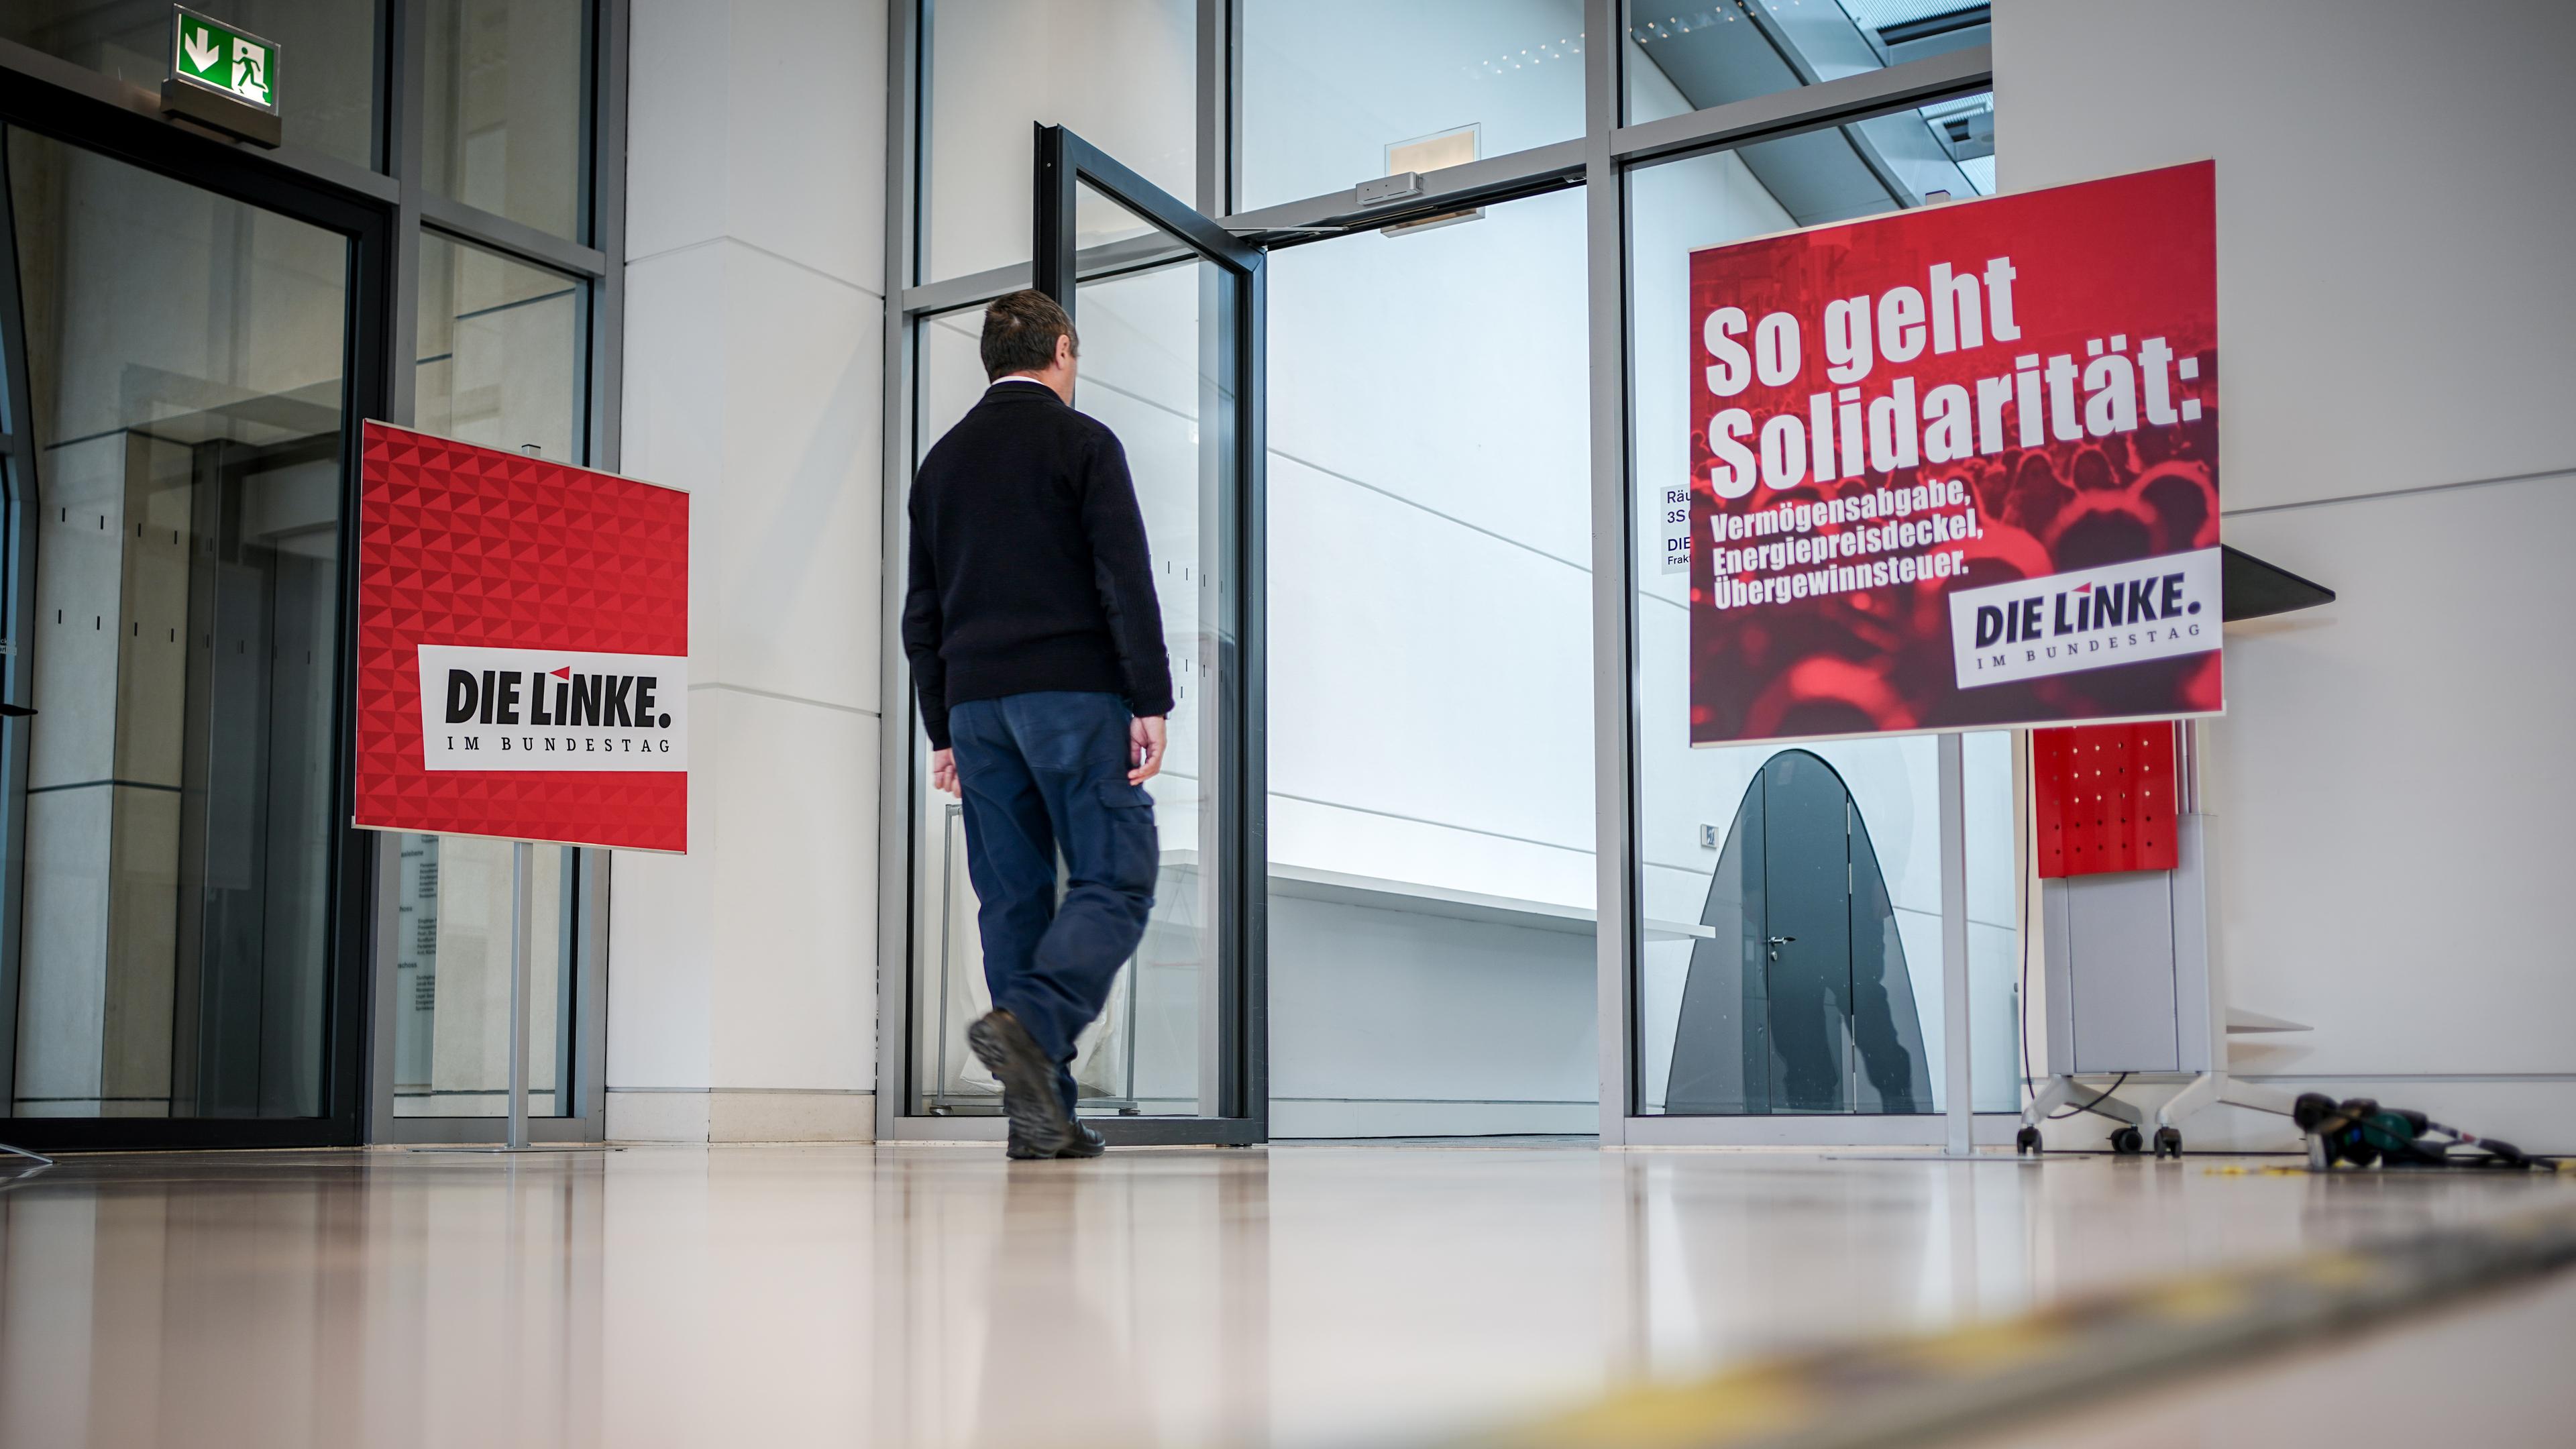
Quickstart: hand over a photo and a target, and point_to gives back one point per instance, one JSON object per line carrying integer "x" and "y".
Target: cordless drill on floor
{"x": 2363, "y": 1133}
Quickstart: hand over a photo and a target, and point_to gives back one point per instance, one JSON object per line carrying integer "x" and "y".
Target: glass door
{"x": 1168, "y": 308}
{"x": 178, "y": 409}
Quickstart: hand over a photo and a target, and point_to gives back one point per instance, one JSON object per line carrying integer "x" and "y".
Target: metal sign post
{"x": 1960, "y": 1107}
{"x": 523, "y": 919}
{"x": 523, "y": 913}
{"x": 523, "y": 956}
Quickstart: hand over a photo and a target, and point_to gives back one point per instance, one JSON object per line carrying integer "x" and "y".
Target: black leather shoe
{"x": 1083, "y": 1143}
{"x": 1038, "y": 1120}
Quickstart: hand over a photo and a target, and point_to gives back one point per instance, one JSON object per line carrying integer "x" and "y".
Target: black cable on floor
{"x": 2021, "y": 929}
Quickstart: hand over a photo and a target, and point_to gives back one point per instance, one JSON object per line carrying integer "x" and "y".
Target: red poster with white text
{"x": 1958, "y": 467}
{"x": 523, "y": 647}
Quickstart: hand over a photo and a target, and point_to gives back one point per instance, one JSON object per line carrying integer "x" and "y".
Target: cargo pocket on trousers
{"x": 1134, "y": 846}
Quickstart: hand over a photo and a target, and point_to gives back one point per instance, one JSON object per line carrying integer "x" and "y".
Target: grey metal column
{"x": 523, "y": 923}
{"x": 1961, "y": 1122}
{"x": 407, "y": 44}
{"x": 1613, "y": 601}
{"x": 896, "y": 782}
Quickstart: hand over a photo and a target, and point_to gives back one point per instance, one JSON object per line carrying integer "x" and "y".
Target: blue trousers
{"x": 1045, "y": 774}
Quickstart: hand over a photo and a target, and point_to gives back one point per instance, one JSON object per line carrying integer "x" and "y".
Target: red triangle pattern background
{"x": 465, "y": 545}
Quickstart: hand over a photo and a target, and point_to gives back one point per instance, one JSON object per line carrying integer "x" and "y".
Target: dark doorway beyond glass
{"x": 1799, "y": 1000}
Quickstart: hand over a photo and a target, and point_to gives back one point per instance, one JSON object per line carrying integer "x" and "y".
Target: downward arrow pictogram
{"x": 202, "y": 50}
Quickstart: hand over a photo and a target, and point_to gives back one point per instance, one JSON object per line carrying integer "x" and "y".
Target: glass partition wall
{"x": 1807, "y": 876}
{"x": 195, "y": 946}
{"x": 513, "y": 162}
{"x": 1431, "y": 811}
{"x": 1419, "y": 385}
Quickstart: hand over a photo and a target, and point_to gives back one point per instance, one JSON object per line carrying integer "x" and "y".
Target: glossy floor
{"x": 935, "y": 1295}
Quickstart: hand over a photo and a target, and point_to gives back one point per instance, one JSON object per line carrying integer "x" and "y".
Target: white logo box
{"x": 552, "y": 709}
{"x": 2097, "y": 618}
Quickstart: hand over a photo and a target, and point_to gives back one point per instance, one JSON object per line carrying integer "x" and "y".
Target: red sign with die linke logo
{"x": 1958, "y": 467}
{"x": 523, "y": 647}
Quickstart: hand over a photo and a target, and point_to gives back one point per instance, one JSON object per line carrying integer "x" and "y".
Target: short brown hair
{"x": 1020, "y": 330}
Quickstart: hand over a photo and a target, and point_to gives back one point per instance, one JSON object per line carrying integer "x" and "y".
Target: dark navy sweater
{"x": 1029, "y": 564}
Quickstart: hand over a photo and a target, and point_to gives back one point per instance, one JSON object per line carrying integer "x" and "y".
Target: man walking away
{"x": 1037, "y": 643}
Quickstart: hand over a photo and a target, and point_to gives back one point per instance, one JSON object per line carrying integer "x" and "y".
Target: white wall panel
{"x": 785, "y": 149}
{"x": 2393, "y": 786}
{"x": 1121, "y": 74}
{"x": 794, "y": 532}
{"x": 2394, "y": 205}
{"x": 2389, "y": 783}
{"x": 794, "y": 1000}
{"x": 753, "y": 383}
{"x": 745, "y": 968}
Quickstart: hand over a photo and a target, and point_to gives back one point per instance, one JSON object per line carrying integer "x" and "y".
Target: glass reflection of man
{"x": 1037, "y": 643}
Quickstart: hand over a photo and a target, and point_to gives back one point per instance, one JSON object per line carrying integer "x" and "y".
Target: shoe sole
{"x": 1028, "y": 1089}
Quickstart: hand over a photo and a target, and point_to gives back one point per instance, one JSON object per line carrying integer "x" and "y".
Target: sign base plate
{"x": 233, "y": 118}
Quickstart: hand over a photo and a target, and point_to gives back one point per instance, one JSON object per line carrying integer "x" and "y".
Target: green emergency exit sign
{"x": 213, "y": 56}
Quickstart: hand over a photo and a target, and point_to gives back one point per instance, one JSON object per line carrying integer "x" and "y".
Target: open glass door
{"x": 1169, "y": 307}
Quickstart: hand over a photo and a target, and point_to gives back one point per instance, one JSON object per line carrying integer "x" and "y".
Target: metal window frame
{"x": 383, "y": 210}
{"x": 898, "y": 769}
{"x": 1601, "y": 160}
{"x": 17, "y": 670}
{"x": 594, "y": 259}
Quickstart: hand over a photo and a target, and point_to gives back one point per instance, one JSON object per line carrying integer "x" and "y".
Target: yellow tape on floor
{"x": 1902, "y": 1390}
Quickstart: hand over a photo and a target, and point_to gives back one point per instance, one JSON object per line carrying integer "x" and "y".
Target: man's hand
{"x": 943, "y": 771}
{"x": 1146, "y": 735}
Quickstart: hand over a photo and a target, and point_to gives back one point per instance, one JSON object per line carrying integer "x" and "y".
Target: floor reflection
{"x": 938, "y": 1296}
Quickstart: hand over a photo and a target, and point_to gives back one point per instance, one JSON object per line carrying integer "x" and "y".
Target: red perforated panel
{"x": 2104, "y": 795}
{"x": 473, "y": 546}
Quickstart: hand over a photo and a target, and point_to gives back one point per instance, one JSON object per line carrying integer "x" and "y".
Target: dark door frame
{"x": 1235, "y": 448}
{"x": 80, "y": 118}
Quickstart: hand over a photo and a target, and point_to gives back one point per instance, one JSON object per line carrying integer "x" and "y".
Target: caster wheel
{"x": 2127, "y": 1142}
{"x": 2028, "y": 1141}
{"x": 2169, "y": 1142}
